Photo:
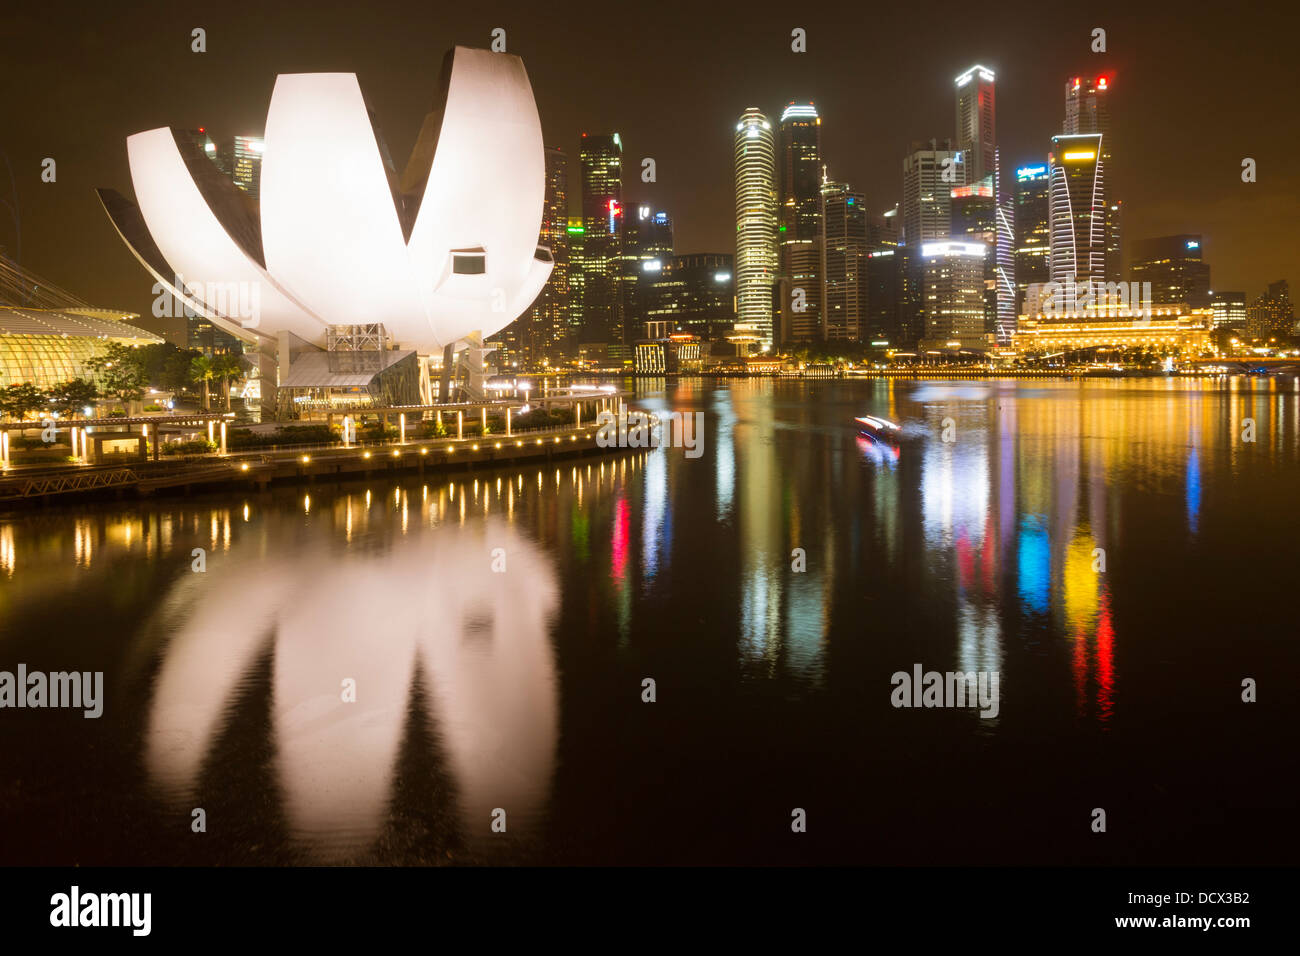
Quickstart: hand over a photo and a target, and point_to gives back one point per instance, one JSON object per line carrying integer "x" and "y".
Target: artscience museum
{"x": 340, "y": 247}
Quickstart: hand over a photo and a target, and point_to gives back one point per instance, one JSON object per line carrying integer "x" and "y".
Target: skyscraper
{"x": 975, "y": 217}
{"x": 1077, "y": 209}
{"x": 695, "y": 293}
{"x": 241, "y": 160}
{"x": 799, "y": 223}
{"x": 955, "y": 301}
{"x": 647, "y": 248}
{"x": 601, "y": 159}
{"x": 1033, "y": 231}
{"x": 1175, "y": 269}
{"x": 930, "y": 173}
{"x": 843, "y": 263}
{"x": 756, "y": 225}
{"x": 1087, "y": 110}
{"x": 538, "y": 332}
{"x": 976, "y": 132}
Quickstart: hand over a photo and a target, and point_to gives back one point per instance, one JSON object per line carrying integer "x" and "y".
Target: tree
{"x": 120, "y": 372}
{"x": 203, "y": 370}
{"x": 72, "y": 396}
{"x": 175, "y": 375}
{"x": 17, "y": 400}
{"x": 227, "y": 366}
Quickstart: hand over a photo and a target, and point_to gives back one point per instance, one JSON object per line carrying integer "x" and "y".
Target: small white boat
{"x": 881, "y": 429}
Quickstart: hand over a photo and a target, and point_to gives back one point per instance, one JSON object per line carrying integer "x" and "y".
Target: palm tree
{"x": 202, "y": 369}
{"x": 226, "y": 367}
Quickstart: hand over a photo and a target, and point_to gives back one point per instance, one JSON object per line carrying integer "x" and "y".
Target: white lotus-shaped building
{"x": 447, "y": 249}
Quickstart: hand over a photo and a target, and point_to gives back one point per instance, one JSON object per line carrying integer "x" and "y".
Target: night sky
{"x": 1197, "y": 87}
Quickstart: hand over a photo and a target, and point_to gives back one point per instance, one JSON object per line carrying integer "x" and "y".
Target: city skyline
{"x": 1244, "y": 225}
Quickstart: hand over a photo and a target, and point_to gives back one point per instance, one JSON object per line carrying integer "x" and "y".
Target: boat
{"x": 881, "y": 429}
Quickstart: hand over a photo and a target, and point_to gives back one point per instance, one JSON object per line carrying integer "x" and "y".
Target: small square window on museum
{"x": 469, "y": 262}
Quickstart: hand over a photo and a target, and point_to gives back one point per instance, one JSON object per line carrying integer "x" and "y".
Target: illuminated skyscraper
{"x": 1087, "y": 110}
{"x": 539, "y": 331}
{"x": 1033, "y": 232}
{"x": 647, "y": 249}
{"x": 1077, "y": 210}
{"x": 955, "y": 301}
{"x": 601, "y": 159}
{"x": 756, "y": 226}
{"x": 929, "y": 176}
{"x": 799, "y": 223}
{"x": 695, "y": 293}
{"x": 241, "y": 160}
{"x": 976, "y": 132}
{"x": 975, "y": 217}
{"x": 577, "y": 274}
{"x": 1272, "y": 315}
{"x": 843, "y": 263}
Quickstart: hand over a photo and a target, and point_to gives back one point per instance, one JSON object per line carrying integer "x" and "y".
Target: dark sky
{"x": 1197, "y": 87}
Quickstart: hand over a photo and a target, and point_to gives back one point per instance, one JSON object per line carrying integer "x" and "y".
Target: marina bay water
{"x": 377, "y": 672}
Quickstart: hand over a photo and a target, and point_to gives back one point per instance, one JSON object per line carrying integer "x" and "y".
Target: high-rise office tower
{"x": 1077, "y": 209}
{"x": 882, "y": 278}
{"x": 576, "y": 234}
{"x": 601, "y": 159}
{"x": 976, "y": 132}
{"x": 1032, "y": 229}
{"x": 1087, "y": 110}
{"x": 1175, "y": 269}
{"x": 539, "y": 331}
{"x": 843, "y": 263}
{"x": 756, "y": 226}
{"x": 1271, "y": 316}
{"x": 647, "y": 248}
{"x": 930, "y": 173}
{"x": 955, "y": 292}
{"x": 1229, "y": 309}
{"x": 241, "y": 160}
{"x": 695, "y": 293}
{"x": 975, "y": 217}
{"x": 799, "y": 223}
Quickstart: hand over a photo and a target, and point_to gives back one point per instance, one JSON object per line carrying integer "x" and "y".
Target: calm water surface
{"x": 520, "y": 689}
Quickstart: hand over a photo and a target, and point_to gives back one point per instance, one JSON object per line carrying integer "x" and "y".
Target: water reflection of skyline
{"x": 978, "y": 554}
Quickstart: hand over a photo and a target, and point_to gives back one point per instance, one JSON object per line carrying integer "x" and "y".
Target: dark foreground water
{"x": 498, "y": 628}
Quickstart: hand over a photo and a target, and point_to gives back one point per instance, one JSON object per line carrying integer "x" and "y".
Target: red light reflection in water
{"x": 1104, "y": 639}
{"x": 619, "y": 541}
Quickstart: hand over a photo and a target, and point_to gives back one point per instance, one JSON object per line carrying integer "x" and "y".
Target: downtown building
{"x": 1175, "y": 269}
{"x": 1272, "y": 315}
{"x": 955, "y": 295}
{"x": 976, "y": 113}
{"x": 1077, "y": 209}
{"x": 600, "y": 158}
{"x": 537, "y": 335}
{"x": 647, "y": 247}
{"x": 1229, "y": 310}
{"x": 1087, "y": 111}
{"x": 1033, "y": 230}
{"x": 799, "y": 225}
{"x": 930, "y": 173}
{"x": 756, "y": 230}
{"x": 696, "y": 294}
{"x": 843, "y": 264}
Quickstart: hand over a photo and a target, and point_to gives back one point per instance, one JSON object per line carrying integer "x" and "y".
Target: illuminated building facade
{"x": 1033, "y": 231}
{"x": 1271, "y": 316}
{"x": 695, "y": 293}
{"x": 601, "y": 159}
{"x": 799, "y": 224}
{"x": 955, "y": 291}
{"x": 44, "y": 347}
{"x": 1173, "y": 329}
{"x": 976, "y": 123}
{"x": 843, "y": 263}
{"x": 756, "y": 228}
{"x": 1229, "y": 309}
{"x": 929, "y": 176}
{"x": 538, "y": 332}
{"x": 1175, "y": 269}
{"x": 1077, "y": 209}
{"x": 647, "y": 247}
{"x": 1087, "y": 110}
